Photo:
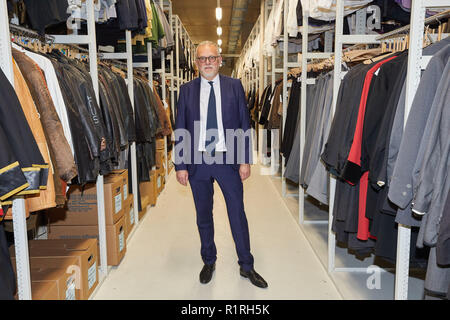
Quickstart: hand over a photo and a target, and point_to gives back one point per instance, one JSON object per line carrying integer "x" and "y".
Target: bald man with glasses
{"x": 209, "y": 108}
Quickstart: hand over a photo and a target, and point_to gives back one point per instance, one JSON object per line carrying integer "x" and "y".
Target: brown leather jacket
{"x": 46, "y": 197}
{"x": 59, "y": 147}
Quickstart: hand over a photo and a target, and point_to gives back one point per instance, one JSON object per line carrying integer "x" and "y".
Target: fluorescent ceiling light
{"x": 220, "y": 50}
{"x": 219, "y": 31}
{"x": 219, "y": 42}
{"x": 219, "y": 13}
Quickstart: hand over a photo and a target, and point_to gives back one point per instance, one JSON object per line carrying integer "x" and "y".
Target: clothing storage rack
{"x": 416, "y": 62}
{"x": 90, "y": 40}
{"x": 164, "y": 4}
{"x": 285, "y": 93}
{"x": 268, "y": 7}
{"x": 305, "y": 81}
{"x": 181, "y": 34}
{"x": 176, "y": 22}
{"x": 163, "y": 78}
{"x": 18, "y": 206}
{"x": 128, "y": 56}
{"x": 250, "y": 74}
{"x": 340, "y": 40}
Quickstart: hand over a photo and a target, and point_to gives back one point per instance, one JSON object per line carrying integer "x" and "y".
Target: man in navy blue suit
{"x": 213, "y": 143}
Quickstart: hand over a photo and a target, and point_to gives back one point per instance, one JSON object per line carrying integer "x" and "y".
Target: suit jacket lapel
{"x": 196, "y": 103}
{"x": 223, "y": 89}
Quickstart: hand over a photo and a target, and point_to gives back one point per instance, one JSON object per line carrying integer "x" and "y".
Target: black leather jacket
{"x": 92, "y": 154}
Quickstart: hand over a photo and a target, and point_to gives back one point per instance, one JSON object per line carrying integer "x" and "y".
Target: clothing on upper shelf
{"x": 42, "y": 14}
{"x": 326, "y": 9}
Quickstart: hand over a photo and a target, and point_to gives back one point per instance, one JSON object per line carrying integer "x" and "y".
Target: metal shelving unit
{"x": 90, "y": 40}
{"x": 305, "y": 81}
{"x": 416, "y": 63}
{"x": 128, "y": 56}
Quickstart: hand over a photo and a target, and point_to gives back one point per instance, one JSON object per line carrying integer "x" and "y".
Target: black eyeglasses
{"x": 210, "y": 59}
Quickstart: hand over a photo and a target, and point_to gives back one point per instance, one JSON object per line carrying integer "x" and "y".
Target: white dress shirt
{"x": 205, "y": 90}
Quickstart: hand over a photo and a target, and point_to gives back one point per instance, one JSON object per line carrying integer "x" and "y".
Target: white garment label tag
{"x": 70, "y": 291}
{"x": 132, "y": 216}
{"x": 159, "y": 182}
{"x": 125, "y": 192}
{"x": 92, "y": 275}
{"x": 118, "y": 203}
{"x": 121, "y": 240}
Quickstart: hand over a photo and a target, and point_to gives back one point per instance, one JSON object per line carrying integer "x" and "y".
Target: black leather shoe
{"x": 254, "y": 278}
{"x": 207, "y": 272}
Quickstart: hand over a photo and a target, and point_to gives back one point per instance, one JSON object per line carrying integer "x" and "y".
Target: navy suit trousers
{"x": 202, "y": 185}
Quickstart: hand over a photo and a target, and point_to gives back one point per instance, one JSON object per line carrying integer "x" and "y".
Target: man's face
{"x": 208, "y": 69}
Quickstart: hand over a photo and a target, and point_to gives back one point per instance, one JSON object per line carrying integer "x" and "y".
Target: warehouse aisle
{"x": 163, "y": 259}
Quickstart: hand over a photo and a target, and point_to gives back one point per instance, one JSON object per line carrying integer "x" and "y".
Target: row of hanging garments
{"x": 146, "y": 20}
{"x": 387, "y": 174}
{"x": 78, "y": 137}
{"x": 384, "y": 175}
{"x": 252, "y": 104}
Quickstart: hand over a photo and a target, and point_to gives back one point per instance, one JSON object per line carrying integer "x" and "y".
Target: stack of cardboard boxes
{"x": 169, "y": 161}
{"x": 148, "y": 193}
{"x": 63, "y": 269}
{"x": 160, "y": 165}
{"x": 79, "y": 219}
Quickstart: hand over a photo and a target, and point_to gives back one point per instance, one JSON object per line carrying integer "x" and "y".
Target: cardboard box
{"x": 121, "y": 175}
{"x": 57, "y": 254}
{"x": 63, "y": 271}
{"x": 44, "y": 290}
{"x": 148, "y": 190}
{"x": 65, "y": 282}
{"x": 160, "y": 182}
{"x": 160, "y": 144}
{"x": 143, "y": 212}
{"x": 81, "y": 207}
{"x": 115, "y": 237}
{"x": 129, "y": 216}
{"x": 160, "y": 158}
{"x": 154, "y": 190}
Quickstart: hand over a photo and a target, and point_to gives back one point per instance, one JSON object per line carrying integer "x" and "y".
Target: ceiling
{"x": 198, "y": 17}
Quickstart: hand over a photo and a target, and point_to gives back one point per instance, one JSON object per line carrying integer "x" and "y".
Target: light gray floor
{"x": 352, "y": 285}
{"x": 163, "y": 258}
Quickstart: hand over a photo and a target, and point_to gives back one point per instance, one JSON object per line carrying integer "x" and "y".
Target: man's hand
{"x": 182, "y": 177}
{"x": 244, "y": 171}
